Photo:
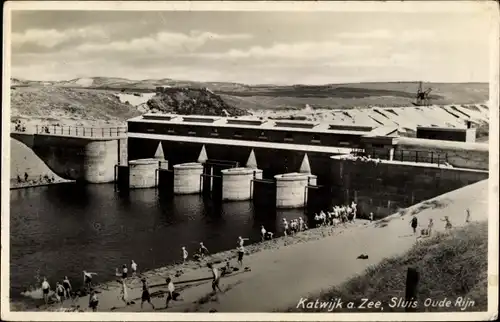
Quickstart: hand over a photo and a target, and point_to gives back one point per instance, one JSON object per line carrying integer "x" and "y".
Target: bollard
{"x": 412, "y": 279}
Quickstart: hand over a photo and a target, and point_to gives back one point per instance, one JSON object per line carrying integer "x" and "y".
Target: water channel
{"x": 63, "y": 229}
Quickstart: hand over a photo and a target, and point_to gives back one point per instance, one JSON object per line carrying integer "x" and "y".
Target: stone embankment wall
{"x": 73, "y": 158}
{"x": 383, "y": 187}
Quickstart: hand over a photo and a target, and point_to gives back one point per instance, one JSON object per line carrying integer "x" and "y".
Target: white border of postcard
{"x": 487, "y": 8}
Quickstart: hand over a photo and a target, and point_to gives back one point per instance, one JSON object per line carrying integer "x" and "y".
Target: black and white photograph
{"x": 299, "y": 160}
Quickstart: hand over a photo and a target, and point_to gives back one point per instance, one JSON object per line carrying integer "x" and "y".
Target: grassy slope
{"x": 450, "y": 265}
{"x": 58, "y": 102}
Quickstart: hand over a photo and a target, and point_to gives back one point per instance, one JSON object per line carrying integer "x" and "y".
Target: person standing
{"x": 414, "y": 224}
{"x": 467, "y": 217}
{"x": 203, "y": 250}
{"x": 124, "y": 271}
{"x": 93, "y": 301}
{"x": 60, "y": 293}
{"x": 146, "y": 297}
{"x": 124, "y": 293}
{"x": 241, "y": 241}
{"x": 215, "y": 276}
{"x": 429, "y": 227}
{"x": 447, "y": 224}
{"x": 285, "y": 226}
{"x": 67, "y": 287}
{"x": 133, "y": 267}
{"x": 241, "y": 253}
{"x": 87, "y": 279}
{"x": 371, "y": 216}
{"x": 262, "y": 233}
{"x": 184, "y": 254}
{"x": 45, "y": 290}
{"x": 170, "y": 291}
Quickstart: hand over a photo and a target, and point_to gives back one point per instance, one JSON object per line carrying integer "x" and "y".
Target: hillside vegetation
{"x": 73, "y": 103}
{"x": 191, "y": 101}
{"x": 451, "y": 265}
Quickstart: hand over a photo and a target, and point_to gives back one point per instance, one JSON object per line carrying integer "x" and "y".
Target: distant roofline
{"x": 262, "y": 123}
{"x": 444, "y": 129}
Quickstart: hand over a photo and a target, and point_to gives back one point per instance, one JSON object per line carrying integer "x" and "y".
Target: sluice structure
{"x": 294, "y": 164}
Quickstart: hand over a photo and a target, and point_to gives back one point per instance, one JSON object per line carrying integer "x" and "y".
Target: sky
{"x": 251, "y": 47}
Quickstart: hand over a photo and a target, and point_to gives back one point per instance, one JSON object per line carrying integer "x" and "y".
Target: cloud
{"x": 161, "y": 42}
{"x": 384, "y": 34}
{"x": 297, "y": 50}
{"x": 50, "y": 38}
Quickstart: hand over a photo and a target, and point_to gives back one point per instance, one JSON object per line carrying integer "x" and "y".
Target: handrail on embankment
{"x": 81, "y": 131}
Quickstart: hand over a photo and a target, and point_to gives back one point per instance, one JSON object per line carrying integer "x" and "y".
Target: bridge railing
{"x": 417, "y": 156}
{"x": 81, "y": 131}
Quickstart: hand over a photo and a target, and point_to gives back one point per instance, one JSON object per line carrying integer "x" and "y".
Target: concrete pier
{"x": 187, "y": 178}
{"x": 237, "y": 183}
{"x": 142, "y": 173}
{"x": 291, "y": 190}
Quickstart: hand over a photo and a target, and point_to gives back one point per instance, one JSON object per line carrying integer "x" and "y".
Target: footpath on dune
{"x": 279, "y": 278}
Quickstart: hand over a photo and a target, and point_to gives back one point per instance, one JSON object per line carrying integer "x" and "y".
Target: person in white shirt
{"x": 241, "y": 241}
{"x": 262, "y": 233}
{"x": 285, "y": 226}
{"x": 124, "y": 293}
{"x": 45, "y": 290}
{"x": 133, "y": 266}
{"x": 184, "y": 254}
{"x": 216, "y": 277}
{"x": 170, "y": 291}
{"x": 371, "y": 216}
{"x": 301, "y": 224}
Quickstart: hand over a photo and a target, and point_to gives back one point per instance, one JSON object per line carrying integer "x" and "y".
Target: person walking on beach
{"x": 60, "y": 293}
{"x": 241, "y": 253}
{"x": 124, "y": 293}
{"x": 215, "y": 276}
{"x": 133, "y": 267}
{"x": 467, "y": 217}
{"x": 184, "y": 254}
{"x": 87, "y": 279}
{"x": 67, "y": 287}
{"x": 414, "y": 224}
{"x": 146, "y": 297}
{"x": 45, "y": 290}
{"x": 170, "y": 291}
{"x": 262, "y": 233}
{"x": 203, "y": 250}
{"x": 93, "y": 301}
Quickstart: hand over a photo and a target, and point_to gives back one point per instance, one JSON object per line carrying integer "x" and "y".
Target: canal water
{"x": 66, "y": 228}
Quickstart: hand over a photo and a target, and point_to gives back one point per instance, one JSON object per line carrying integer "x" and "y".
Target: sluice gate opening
{"x": 317, "y": 198}
{"x": 211, "y": 178}
{"x": 264, "y": 192}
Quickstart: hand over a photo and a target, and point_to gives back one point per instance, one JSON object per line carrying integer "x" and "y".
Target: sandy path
{"x": 280, "y": 277}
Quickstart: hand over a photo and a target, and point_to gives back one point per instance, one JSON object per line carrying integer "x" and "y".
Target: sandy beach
{"x": 315, "y": 260}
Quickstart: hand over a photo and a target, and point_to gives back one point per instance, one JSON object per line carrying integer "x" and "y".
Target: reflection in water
{"x": 63, "y": 229}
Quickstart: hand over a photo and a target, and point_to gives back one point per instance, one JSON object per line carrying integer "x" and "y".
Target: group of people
{"x": 19, "y": 126}
{"x": 447, "y": 224}
{"x": 339, "y": 214}
{"x": 44, "y": 179}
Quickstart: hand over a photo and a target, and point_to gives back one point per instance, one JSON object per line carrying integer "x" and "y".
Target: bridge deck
{"x": 252, "y": 144}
